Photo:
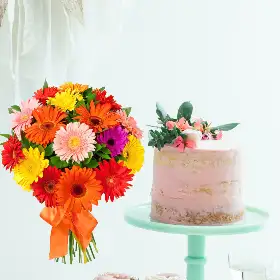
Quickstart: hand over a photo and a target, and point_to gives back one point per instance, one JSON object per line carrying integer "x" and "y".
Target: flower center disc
{"x": 24, "y": 118}
{"x": 47, "y": 125}
{"x": 95, "y": 120}
{"x": 74, "y": 142}
{"x": 78, "y": 190}
{"x": 49, "y": 186}
{"x": 110, "y": 181}
{"x": 111, "y": 142}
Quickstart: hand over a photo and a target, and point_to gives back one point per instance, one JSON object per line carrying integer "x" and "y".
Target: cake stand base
{"x": 196, "y": 257}
{"x": 254, "y": 220}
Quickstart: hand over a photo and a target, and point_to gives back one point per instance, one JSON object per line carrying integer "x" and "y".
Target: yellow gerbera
{"x": 74, "y": 88}
{"x": 65, "y": 100}
{"x": 30, "y": 168}
{"x": 134, "y": 154}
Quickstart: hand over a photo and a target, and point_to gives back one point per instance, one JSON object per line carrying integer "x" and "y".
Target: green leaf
{"x": 45, "y": 85}
{"x": 127, "y": 110}
{"x": 225, "y": 127}
{"x": 87, "y": 91}
{"x": 55, "y": 161}
{"x": 2, "y": 143}
{"x": 98, "y": 147}
{"x": 185, "y": 111}
{"x": 14, "y": 108}
{"x": 91, "y": 96}
{"x": 105, "y": 151}
{"x": 24, "y": 141}
{"x": 102, "y": 89}
{"x": 80, "y": 103}
{"x": 49, "y": 150}
{"x": 160, "y": 112}
{"x": 41, "y": 149}
{"x": 92, "y": 164}
{"x": 86, "y": 161}
{"x": 120, "y": 157}
{"x": 77, "y": 164}
{"x": 5, "y": 135}
{"x": 105, "y": 156}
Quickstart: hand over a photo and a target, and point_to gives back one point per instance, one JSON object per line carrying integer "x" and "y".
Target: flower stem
{"x": 91, "y": 251}
{"x": 88, "y": 255}
{"x": 71, "y": 247}
{"x": 80, "y": 255}
{"x": 94, "y": 243}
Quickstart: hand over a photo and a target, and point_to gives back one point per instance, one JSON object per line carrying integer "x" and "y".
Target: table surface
{"x": 139, "y": 216}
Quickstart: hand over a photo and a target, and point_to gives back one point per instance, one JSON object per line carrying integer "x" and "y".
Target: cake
{"x": 115, "y": 276}
{"x": 196, "y": 175}
{"x": 164, "y": 276}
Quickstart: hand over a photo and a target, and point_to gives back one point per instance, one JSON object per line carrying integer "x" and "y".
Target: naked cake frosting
{"x": 196, "y": 176}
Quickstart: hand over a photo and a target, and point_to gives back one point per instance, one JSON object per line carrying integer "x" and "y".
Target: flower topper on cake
{"x": 68, "y": 146}
{"x": 184, "y": 131}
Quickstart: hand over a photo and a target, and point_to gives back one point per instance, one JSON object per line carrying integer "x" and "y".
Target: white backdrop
{"x": 223, "y": 56}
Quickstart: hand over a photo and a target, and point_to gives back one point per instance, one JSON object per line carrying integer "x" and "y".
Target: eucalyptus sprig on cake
{"x": 184, "y": 131}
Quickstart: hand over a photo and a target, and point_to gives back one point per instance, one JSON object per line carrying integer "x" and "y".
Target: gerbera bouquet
{"x": 69, "y": 145}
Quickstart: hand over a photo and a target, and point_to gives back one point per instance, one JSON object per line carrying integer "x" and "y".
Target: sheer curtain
{"x": 221, "y": 55}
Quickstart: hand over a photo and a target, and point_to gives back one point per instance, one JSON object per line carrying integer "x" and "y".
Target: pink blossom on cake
{"x": 198, "y": 126}
{"x": 179, "y": 144}
{"x": 206, "y": 136}
{"x": 182, "y": 124}
{"x": 170, "y": 125}
{"x": 219, "y": 135}
{"x": 190, "y": 144}
{"x": 193, "y": 137}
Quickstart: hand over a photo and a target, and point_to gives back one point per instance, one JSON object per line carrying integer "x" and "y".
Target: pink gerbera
{"x": 75, "y": 141}
{"x": 21, "y": 120}
{"x": 129, "y": 123}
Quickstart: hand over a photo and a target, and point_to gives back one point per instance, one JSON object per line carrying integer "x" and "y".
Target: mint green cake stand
{"x": 139, "y": 216}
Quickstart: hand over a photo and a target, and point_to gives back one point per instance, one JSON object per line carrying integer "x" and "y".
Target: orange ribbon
{"x": 81, "y": 224}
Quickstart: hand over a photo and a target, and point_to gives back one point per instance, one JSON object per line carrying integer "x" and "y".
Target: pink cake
{"x": 199, "y": 186}
{"x": 115, "y": 276}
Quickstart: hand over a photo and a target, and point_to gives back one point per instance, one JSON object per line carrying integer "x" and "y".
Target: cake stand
{"x": 139, "y": 216}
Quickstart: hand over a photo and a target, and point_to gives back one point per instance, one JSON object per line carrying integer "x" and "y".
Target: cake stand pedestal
{"x": 139, "y": 216}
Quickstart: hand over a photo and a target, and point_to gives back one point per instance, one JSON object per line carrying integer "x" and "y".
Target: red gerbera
{"x": 45, "y": 189}
{"x": 43, "y": 94}
{"x": 102, "y": 98}
{"x": 114, "y": 177}
{"x": 12, "y": 153}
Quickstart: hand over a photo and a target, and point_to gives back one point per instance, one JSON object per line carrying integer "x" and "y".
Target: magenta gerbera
{"x": 75, "y": 142}
{"x": 115, "y": 139}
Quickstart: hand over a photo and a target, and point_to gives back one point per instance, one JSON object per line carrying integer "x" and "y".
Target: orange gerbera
{"x": 48, "y": 121}
{"x": 78, "y": 88}
{"x": 80, "y": 188}
{"x": 99, "y": 116}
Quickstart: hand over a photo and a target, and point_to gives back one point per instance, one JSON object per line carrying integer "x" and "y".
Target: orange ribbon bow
{"x": 81, "y": 224}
